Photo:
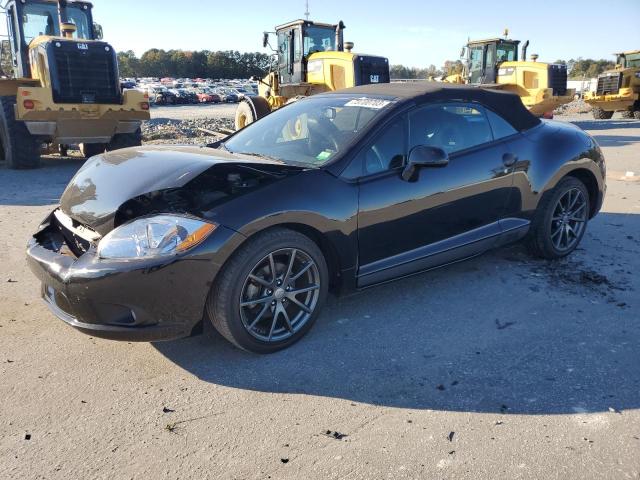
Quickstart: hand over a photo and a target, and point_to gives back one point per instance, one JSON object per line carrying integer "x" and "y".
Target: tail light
{"x": 144, "y": 105}
{"x": 29, "y": 105}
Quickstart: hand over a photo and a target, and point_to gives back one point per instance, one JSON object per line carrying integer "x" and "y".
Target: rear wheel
{"x": 636, "y": 114}
{"x": 19, "y": 149}
{"x": 125, "y": 140}
{"x": 627, "y": 114}
{"x": 270, "y": 292}
{"x": 600, "y": 114}
{"x": 560, "y": 220}
{"x": 88, "y": 150}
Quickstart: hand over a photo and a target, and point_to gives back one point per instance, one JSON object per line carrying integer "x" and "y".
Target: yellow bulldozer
{"x": 310, "y": 58}
{"x": 618, "y": 90}
{"x": 63, "y": 85}
{"x": 494, "y": 63}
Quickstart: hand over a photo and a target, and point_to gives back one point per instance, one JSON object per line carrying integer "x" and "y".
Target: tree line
{"x": 233, "y": 64}
{"x": 193, "y": 64}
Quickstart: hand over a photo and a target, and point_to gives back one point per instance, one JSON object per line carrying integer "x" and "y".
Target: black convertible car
{"x": 338, "y": 191}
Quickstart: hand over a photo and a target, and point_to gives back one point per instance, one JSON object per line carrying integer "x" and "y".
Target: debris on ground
{"x": 576, "y": 106}
{"x": 167, "y": 410}
{"x": 284, "y": 460}
{"x": 335, "y": 435}
{"x": 450, "y": 436}
{"x": 199, "y": 131}
{"x": 502, "y": 326}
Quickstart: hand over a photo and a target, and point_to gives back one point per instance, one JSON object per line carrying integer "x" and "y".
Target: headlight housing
{"x": 155, "y": 236}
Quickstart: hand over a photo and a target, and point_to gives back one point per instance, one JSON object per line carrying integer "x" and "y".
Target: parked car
{"x": 205, "y": 95}
{"x": 227, "y": 95}
{"x": 342, "y": 190}
{"x": 181, "y": 95}
{"x": 243, "y": 92}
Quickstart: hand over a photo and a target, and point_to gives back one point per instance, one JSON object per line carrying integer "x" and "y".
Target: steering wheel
{"x": 324, "y": 131}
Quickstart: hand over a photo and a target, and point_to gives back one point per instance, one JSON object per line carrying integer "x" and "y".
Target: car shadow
{"x": 500, "y": 333}
{"x": 616, "y": 140}
{"x": 606, "y": 124}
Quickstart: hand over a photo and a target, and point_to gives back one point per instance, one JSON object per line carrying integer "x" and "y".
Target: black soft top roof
{"x": 508, "y": 105}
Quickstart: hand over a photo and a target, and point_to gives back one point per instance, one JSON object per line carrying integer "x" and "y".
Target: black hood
{"x": 115, "y": 187}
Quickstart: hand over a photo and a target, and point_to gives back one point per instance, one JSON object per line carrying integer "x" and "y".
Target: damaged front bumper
{"x": 134, "y": 300}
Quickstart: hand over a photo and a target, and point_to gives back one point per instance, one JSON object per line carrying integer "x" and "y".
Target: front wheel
{"x": 251, "y": 110}
{"x": 270, "y": 293}
{"x": 125, "y": 140}
{"x": 560, "y": 220}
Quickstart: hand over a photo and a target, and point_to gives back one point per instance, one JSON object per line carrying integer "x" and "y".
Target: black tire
{"x": 251, "y": 110}
{"x": 540, "y": 238}
{"x": 63, "y": 150}
{"x": 223, "y": 305}
{"x": 636, "y": 114}
{"x": 125, "y": 140}
{"x": 626, "y": 114}
{"x": 88, "y": 150}
{"x": 600, "y": 114}
{"x": 19, "y": 149}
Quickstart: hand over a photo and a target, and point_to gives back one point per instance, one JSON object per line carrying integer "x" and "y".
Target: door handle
{"x": 508, "y": 159}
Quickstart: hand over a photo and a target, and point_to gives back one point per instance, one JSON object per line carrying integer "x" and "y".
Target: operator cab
{"x": 298, "y": 40}
{"x": 29, "y": 20}
{"x": 628, "y": 59}
{"x": 483, "y": 58}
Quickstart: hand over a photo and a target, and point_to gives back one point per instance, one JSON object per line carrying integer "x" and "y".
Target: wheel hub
{"x": 279, "y": 294}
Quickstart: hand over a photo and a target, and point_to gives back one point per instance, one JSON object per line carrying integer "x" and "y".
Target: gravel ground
{"x": 502, "y": 367}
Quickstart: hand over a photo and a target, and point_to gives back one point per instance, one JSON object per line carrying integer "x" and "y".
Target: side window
{"x": 386, "y": 152}
{"x": 476, "y": 58}
{"x": 500, "y": 127}
{"x": 452, "y": 127}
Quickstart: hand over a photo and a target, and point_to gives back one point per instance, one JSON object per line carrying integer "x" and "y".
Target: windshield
{"x": 632, "y": 60}
{"x": 42, "y": 19}
{"x": 319, "y": 39}
{"x": 310, "y": 132}
{"x": 506, "y": 52}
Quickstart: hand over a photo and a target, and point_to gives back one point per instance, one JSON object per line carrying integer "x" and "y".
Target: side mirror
{"x": 424, "y": 156}
{"x": 97, "y": 31}
{"x": 265, "y": 40}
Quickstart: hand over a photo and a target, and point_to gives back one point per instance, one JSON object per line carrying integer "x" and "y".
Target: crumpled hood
{"x": 107, "y": 181}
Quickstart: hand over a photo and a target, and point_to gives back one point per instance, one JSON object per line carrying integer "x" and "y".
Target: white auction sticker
{"x": 365, "y": 102}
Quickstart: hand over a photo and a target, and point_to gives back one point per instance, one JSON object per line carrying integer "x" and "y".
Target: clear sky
{"x": 410, "y": 32}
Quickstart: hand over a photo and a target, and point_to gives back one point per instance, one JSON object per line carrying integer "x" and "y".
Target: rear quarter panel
{"x": 546, "y": 154}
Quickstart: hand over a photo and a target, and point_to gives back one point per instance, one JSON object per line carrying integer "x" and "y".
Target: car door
{"x": 445, "y": 213}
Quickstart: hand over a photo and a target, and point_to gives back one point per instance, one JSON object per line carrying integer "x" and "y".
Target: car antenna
{"x": 306, "y": 11}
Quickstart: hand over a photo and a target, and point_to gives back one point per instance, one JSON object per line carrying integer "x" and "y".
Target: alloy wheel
{"x": 568, "y": 220}
{"x": 279, "y": 295}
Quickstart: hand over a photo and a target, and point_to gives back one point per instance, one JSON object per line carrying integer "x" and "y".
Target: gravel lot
{"x": 502, "y": 367}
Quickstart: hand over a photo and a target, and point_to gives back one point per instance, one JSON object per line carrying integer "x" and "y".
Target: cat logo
{"x": 83, "y": 46}
{"x": 374, "y": 78}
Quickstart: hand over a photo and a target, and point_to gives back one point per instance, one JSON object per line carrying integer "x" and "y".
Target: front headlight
{"x": 156, "y": 236}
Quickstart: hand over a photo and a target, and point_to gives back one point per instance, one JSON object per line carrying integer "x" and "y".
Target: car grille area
{"x": 609, "y": 83}
{"x": 77, "y": 238}
{"x": 558, "y": 79}
{"x": 83, "y": 72}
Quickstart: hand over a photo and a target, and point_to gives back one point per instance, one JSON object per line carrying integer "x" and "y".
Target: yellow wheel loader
{"x": 618, "y": 90}
{"x": 64, "y": 88}
{"x": 310, "y": 58}
{"x": 494, "y": 63}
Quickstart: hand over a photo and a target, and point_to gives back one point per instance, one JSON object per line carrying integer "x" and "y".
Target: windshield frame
{"x": 348, "y": 147}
